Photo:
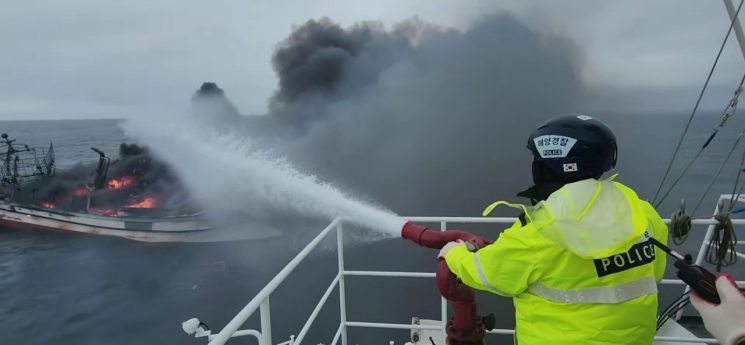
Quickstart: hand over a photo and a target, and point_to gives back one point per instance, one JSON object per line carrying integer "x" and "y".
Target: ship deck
{"x": 677, "y": 330}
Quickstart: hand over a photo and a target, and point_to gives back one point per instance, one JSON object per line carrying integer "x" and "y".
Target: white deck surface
{"x": 669, "y": 329}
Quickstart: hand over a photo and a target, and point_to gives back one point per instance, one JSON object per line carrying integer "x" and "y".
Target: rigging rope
{"x": 721, "y": 247}
{"x": 728, "y": 112}
{"x": 695, "y": 108}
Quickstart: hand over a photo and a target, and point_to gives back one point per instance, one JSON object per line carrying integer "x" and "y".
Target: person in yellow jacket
{"x": 578, "y": 264}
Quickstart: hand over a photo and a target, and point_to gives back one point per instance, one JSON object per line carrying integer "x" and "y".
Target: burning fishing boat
{"x": 134, "y": 196}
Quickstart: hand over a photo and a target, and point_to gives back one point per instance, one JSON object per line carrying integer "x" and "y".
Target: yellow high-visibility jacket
{"x": 580, "y": 271}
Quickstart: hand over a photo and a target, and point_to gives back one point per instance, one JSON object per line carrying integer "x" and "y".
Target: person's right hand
{"x": 725, "y": 321}
{"x": 450, "y": 245}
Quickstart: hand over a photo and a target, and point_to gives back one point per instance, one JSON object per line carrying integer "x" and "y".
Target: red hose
{"x": 425, "y": 237}
{"x": 466, "y": 325}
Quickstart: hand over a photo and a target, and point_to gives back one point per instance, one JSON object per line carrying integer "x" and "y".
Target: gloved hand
{"x": 450, "y": 245}
{"x": 726, "y": 321}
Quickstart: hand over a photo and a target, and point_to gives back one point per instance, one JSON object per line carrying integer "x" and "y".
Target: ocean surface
{"x": 67, "y": 288}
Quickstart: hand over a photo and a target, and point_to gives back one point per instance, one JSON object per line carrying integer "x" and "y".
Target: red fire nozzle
{"x": 466, "y": 326}
{"x": 426, "y": 237}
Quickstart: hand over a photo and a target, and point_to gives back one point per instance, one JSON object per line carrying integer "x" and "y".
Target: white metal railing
{"x": 261, "y": 300}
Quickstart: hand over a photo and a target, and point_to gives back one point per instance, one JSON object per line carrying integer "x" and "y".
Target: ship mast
{"x": 737, "y": 26}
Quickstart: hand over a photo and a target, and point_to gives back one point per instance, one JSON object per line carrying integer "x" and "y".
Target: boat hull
{"x": 169, "y": 229}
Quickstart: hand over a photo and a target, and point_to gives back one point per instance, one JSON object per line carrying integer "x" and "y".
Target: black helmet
{"x": 572, "y": 148}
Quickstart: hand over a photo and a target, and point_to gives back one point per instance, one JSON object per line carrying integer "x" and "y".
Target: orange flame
{"x": 47, "y": 205}
{"x": 121, "y": 182}
{"x": 147, "y": 203}
{"x": 82, "y": 191}
{"x": 108, "y": 212}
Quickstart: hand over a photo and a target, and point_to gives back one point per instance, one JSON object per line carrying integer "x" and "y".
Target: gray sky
{"x": 103, "y": 59}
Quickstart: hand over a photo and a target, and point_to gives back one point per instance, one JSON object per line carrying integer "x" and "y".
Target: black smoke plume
{"x": 426, "y": 120}
{"x": 210, "y": 103}
{"x": 423, "y": 119}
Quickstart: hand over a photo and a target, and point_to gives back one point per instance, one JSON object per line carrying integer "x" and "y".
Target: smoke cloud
{"x": 422, "y": 119}
{"x": 426, "y": 120}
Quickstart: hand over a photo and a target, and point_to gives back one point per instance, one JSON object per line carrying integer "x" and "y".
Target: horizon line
{"x": 80, "y": 119}
{"x": 630, "y": 112}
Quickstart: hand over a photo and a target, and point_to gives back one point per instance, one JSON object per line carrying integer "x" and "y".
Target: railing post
{"x": 246, "y": 312}
{"x": 702, "y": 250}
{"x": 444, "y": 303}
{"x": 266, "y": 322}
{"x": 342, "y": 293}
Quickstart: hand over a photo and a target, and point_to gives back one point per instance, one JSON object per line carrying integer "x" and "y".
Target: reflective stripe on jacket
{"x": 580, "y": 271}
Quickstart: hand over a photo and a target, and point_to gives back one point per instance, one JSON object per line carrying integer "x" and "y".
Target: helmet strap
{"x": 546, "y": 182}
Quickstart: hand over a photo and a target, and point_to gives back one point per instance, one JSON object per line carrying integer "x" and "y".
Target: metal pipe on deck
{"x": 247, "y": 332}
{"x": 510, "y": 220}
{"x": 317, "y": 310}
{"x": 342, "y": 289}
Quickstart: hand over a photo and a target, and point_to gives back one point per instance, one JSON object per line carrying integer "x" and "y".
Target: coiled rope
{"x": 721, "y": 250}
{"x": 680, "y": 224}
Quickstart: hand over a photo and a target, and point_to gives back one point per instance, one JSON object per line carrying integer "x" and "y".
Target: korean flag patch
{"x": 571, "y": 167}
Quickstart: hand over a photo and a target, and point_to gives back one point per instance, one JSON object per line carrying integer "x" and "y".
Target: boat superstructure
{"x": 424, "y": 331}
{"x": 20, "y": 163}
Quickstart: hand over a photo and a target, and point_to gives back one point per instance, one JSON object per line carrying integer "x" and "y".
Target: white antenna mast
{"x": 737, "y": 26}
